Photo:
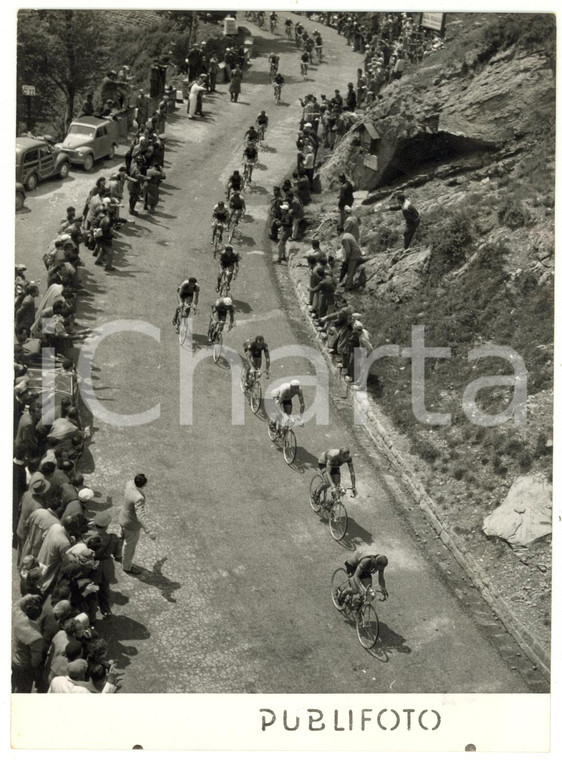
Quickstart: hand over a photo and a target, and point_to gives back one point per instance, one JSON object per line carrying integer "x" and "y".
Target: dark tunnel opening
{"x": 427, "y": 150}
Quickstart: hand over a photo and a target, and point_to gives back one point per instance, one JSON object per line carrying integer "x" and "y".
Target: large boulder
{"x": 526, "y": 512}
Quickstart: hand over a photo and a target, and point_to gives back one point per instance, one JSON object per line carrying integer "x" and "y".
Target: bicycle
{"x": 273, "y": 71}
{"x": 233, "y": 222}
{"x": 183, "y": 321}
{"x": 248, "y": 169}
{"x": 226, "y": 279}
{"x": 261, "y": 133}
{"x": 333, "y": 506}
{"x": 217, "y": 237}
{"x": 252, "y": 389}
{"x": 277, "y": 93}
{"x": 273, "y": 27}
{"x": 216, "y": 339}
{"x": 285, "y": 435}
{"x": 362, "y": 611}
{"x": 289, "y": 32}
{"x": 304, "y": 69}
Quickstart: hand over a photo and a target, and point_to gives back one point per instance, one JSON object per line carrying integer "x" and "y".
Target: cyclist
{"x": 250, "y": 158}
{"x": 305, "y": 60}
{"x": 261, "y": 19}
{"x": 252, "y": 135}
{"x": 289, "y": 28}
{"x": 262, "y": 122}
{"x": 318, "y": 43}
{"x": 253, "y": 350}
{"x": 283, "y": 398}
{"x": 229, "y": 262}
{"x": 237, "y": 207}
{"x": 220, "y": 216}
{"x": 329, "y": 463}
{"x": 360, "y": 570}
{"x": 235, "y": 183}
{"x": 273, "y": 22}
{"x": 273, "y": 60}
{"x": 299, "y": 29}
{"x": 278, "y": 82}
{"x": 222, "y": 308}
{"x": 188, "y": 295}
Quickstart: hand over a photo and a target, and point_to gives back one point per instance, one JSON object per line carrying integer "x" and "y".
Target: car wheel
{"x": 64, "y": 170}
{"x": 20, "y": 200}
{"x": 32, "y": 182}
{"x": 111, "y": 153}
{"x": 88, "y": 162}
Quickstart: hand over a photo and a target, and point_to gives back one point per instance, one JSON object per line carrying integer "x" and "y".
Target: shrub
{"x": 449, "y": 243}
{"x": 525, "y": 461}
{"x": 512, "y": 213}
{"x": 458, "y": 473}
{"x": 426, "y": 450}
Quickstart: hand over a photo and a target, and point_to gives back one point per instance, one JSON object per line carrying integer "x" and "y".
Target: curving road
{"x": 235, "y": 592}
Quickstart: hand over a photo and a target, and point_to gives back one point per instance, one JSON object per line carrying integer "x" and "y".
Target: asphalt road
{"x": 234, "y": 596}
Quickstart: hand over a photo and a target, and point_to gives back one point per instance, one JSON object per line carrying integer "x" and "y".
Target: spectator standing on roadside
{"x": 352, "y": 223}
{"x": 275, "y": 213}
{"x": 132, "y": 520}
{"x": 235, "y": 86}
{"x": 352, "y": 257}
{"x": 411, "y": 217}
{"x": 142, "y": 104}
{"x": 27, "y": 644}
{"x": 110, "y": 547}
{"x": 351, "y": 97}
{"x": 213, "y": 72}
{"x": 285, "y": 226}
{"x": 345, "y": 198}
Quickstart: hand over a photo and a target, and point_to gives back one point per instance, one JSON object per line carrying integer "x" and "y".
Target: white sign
{"x": 371, "y": 162}
{"x": 28, "y": 89}
{"x": 229, "y": 25}
{"x": 433, "y": 21}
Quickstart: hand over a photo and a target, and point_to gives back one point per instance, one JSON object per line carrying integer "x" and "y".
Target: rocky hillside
{"x": 468, "y": 136}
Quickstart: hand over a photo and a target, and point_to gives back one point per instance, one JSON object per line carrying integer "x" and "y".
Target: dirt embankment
{"x": 469, "y": 137}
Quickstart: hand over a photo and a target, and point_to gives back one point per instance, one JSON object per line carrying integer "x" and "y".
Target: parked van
{"x": 90, "y": 138}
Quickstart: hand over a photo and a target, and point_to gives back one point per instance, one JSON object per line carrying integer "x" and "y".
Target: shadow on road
{"x": 355, "y": 535}
{"x": 242, "y": 306}
{"x": 117, "y": 628}
{"x": 156, "y": 578}
{"x": 304, "y": 460}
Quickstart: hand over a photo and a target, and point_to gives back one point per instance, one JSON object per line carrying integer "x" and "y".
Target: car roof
{"x": 90, "y": 121}
{"x": 23, "y": 143}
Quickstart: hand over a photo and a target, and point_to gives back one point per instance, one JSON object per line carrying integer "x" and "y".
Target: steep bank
{"x": 469, "y": 137}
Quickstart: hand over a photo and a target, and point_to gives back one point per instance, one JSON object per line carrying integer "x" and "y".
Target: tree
{"x": 63, "y": 50}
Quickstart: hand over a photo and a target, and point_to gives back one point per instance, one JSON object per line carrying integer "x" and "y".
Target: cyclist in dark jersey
{"x": 237, "y": 205}
{"x": 228, "y": 260}
{"x": 235, "y": 183}
{"x": 361, "y": 569}
{"x": 220, "y": 216}
{"x": 253, "y": 350}
{"x": 188, "y": 293}
{"x": 252, "y": 135}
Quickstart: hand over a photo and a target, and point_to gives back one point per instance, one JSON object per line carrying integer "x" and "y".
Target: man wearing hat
{"x": 79, "y": 506}
{"x": 110, "y": 548}
{"x": 30, "y": 501}
{"x": 57, "y": 541}
{"x": 142, "y": 104}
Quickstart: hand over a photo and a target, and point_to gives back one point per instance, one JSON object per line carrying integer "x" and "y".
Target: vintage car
{"x": 90, "y": 138}
{"x": 37, "y": 159}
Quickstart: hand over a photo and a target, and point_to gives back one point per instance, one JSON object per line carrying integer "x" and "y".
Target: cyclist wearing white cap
{"x": 222, "y": 308}
{"x": 283, "y": 397}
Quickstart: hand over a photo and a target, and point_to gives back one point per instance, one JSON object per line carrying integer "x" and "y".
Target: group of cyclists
{"x": 361, "y": 566}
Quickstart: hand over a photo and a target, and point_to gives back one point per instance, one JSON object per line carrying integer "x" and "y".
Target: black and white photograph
{"x": 283, "y": 376}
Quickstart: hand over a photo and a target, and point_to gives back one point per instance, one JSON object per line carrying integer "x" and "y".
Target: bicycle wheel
{"x": 338, "y": 520}
{"x": 340, "y": 582}
{"x": 272, "y": 431}
{"x": 289, "y": 446}
{"x": 217, "y": 347}
{"x": 224, "y": 287}
{"x": 255, "y": 397}
{"x": 232, "y": 228}
{"x": 183, "y": 330}
{"x": 316, "y": 502}
{"x": 367, "y": 625}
